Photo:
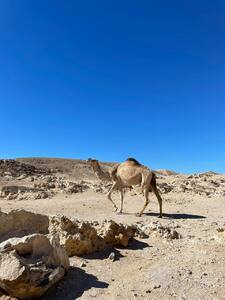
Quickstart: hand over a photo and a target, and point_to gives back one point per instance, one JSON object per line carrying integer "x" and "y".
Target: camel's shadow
{"x": 176, "y": 216}
{"x": 169, "y": 216}
{"x": 74, "y": 284}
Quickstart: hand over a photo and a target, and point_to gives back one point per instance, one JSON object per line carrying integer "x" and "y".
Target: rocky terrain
{"x": 91, "y": 252}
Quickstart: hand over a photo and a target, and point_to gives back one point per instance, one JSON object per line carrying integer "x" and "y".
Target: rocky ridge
{"x": 21, "y": 181}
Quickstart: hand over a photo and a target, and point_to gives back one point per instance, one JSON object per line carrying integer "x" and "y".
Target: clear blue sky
{"x": 113, "y": 79}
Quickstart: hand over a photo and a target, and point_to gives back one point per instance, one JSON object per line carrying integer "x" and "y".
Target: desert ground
{"x": 181, "y": 256}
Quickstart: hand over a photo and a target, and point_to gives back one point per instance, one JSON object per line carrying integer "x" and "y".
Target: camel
{"x": 130, "y": 173}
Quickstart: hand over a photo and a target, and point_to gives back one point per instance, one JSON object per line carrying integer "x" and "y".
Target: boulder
{"x": 29, "y": 266}
{"x": 113, "y": 233}
{"x": 79, "y": 237}
{"x": 18, "y": 223}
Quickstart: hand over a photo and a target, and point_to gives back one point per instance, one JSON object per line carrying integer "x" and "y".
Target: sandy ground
{"x": 192, "y": 267}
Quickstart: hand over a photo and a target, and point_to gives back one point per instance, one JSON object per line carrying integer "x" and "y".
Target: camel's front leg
{"x": 114, "y": 186}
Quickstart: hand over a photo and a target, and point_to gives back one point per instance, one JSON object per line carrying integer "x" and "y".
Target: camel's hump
{"x": 133, "y": 160}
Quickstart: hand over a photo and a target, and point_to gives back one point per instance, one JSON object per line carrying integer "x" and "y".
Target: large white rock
{"x": 29, "y": 266}
{"x": 18, "y": 223}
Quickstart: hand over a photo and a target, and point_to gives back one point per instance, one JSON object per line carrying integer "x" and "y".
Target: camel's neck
{"x": 100, "y": 173}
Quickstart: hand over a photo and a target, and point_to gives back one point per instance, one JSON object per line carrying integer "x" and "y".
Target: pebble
{"x": 82, "y": 264}
{"x": 157, "y": 286}
{"x": 112, "y": 256}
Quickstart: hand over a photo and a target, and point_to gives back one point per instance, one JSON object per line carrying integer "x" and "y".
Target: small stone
{"x": 82, "y": 264}
{"x": 21, "y": 177}
{"x": 112, "y": 256}
{"x": 157, "y": 286}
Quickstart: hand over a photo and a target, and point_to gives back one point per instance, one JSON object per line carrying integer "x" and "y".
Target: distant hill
{"x": 76, "y": 168}
{"x": 165, "y": 172}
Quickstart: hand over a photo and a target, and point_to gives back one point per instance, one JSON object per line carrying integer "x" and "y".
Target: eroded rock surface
{"x": 29, "y": 266}
{"x": 80, "y": 238}
{"x": 158, "y": 230}
{"x": 18, "y": 223}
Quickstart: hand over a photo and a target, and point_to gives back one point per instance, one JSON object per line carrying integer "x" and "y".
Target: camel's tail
{"x": 156, "y": 192}
{"x": 153, "y": 180}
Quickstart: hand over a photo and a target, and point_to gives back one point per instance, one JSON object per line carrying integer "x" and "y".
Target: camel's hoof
{"x": 115, "y": 209}
{"x": 119, "y": 213}
{"x": 138, "y": 215}
{"x": 160, "y": 216}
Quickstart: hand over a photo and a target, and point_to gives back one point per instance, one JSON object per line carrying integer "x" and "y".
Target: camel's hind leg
{"x": 114, "y": 186}
{"x": 156, "y": 192}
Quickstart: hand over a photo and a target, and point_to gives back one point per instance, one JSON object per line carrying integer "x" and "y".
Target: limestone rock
{"x": 77, "y": 237}
{"x": 116, "y": 234}
{"x": 81, "y": 238}
{"x": 18, "y": 223}
{"x": 158, "y": 230}
{"x": 29, "y": 266}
